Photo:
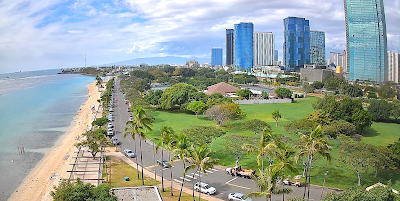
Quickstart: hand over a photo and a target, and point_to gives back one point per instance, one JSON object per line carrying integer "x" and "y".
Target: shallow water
{"x": 36, "y": 109}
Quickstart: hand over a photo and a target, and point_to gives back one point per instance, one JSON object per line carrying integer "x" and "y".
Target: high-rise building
{"x": 243, "y": 47}
{"x": 334, "y": 58}
{"x": 263, "y": 48}
{"x": 296, "y": 45}
{"x": 393, "y": 67}
{"x": 366, "y": 41}
{"x": 229, "y": 47}
{"x": 276, "y": 56}
{"x": 216, "y": 56}
{"x": 317, "y": 47}
{"x": 344, "y": 61}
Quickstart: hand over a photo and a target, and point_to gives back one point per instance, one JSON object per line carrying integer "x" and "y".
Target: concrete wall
{"x": 314, "y": 74}
{"x": 250, "y": 102}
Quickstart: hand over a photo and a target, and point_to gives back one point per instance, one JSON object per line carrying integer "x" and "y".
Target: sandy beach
{"x": 38, "y": 185}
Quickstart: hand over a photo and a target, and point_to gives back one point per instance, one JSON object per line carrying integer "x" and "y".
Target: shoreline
{"x": 37, "y": 185}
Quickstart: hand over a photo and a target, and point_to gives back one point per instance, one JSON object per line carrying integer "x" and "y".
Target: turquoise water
{"x": 36, "y": 109}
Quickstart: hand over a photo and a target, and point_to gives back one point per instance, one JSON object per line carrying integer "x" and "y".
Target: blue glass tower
{"x": 366, "y": 40}
{"x": 243, "y": 46}
{"x": 275, "y": 55}
{"x": 229, "y": 46}
{"x": 216, "y": 56}
{"x": 317, "y": 47}
{"x": 296, "y": 45}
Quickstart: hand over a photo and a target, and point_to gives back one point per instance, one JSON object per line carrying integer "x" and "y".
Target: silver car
{"x": 237, "y": 197}
{"x": 129, "y": 153}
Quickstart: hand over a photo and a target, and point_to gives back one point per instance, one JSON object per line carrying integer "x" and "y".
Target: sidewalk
{"x": 150, "y": 174}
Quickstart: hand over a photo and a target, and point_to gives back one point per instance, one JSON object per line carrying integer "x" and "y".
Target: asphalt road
{"x": 217, "y": 178}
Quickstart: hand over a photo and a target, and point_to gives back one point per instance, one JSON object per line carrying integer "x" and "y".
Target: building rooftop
{"x": 222, "y": 88}
{"x": 148, "y": 193}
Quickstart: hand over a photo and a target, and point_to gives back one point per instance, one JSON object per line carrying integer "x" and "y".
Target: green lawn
{"x": 378, "y": 134}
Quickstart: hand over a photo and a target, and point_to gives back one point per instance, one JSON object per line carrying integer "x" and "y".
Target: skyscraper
{"x": 243, "y": 47}
{"x": 366, "y": 41}
{"x": 216, "y": 56}
{"x": 276, "y": 55}
{"x": 334, "y": 58}
{"x": 229, "y": 47}
{"x": 296, "y": 45}
{"x": 263, "y": 48}
{"x": 317, "y": 47}
{"x": 344, "y": 61}
{"x": 393, "y": 67}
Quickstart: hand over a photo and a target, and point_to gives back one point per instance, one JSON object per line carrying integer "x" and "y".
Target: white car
{"x": 129, "y": 153}
{"x": 110, "y": 125}
{"x": 237, "y": 197}
{"x": 204, "y": 188}
{"x": 110, "y": 132}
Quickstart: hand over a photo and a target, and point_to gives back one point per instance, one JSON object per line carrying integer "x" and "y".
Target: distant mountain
{"x": 160, "y": 60}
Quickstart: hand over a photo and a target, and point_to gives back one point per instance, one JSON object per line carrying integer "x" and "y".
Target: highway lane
{"x": 217, "y": 178}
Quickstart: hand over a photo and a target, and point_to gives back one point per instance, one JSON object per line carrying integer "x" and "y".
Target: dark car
{"x": 163, "y": 163}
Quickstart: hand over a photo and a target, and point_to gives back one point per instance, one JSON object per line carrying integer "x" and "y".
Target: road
{"x": 217, "y": 178}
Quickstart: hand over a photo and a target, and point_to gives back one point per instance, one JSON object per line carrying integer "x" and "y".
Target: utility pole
{"x": 326, "y": 173}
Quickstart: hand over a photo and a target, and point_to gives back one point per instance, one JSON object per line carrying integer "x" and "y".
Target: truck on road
{"x": 238, "y": 171}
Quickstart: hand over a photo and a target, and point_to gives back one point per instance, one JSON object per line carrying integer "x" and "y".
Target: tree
{"x": 100, "y": 121}
{"x": 352, "y": 90}
{"x": 372, "y": 95}
{"x": 380, "y": 158}
{"x": 196, "y": 107}
{"x": 317, "y": 85}
{"x": 94, "y": 140}
{"x": 357, "y": 193}
{"x": 245, "y": 93}
{"x": 283, "y": 93}
{"x": 181, "y": 150}
{"x": 224, "y": 112}
{"x": 255, "y": 125}
{"x": 265, "y": 95}
{"x": 276, "y": 115}
{"x": 99, "y": 81}
{"x": 200, "y": 159}
{"x": 332, "y": 83}
{"x": 265, "y": 183}
{"x": 233, "y": 144}
{"x": 153, "y": 97}
{"x": 319, "y": 117}
{"x": 178, "y": 94}
{"x": 337, "y": 127}
{"x": 395, "y": 112}
{"x": 166, "y": 134}
{"x": 307, "y": 88}
{"x": 203, "y": 135}
{"x": 302, "y": 125}
{"x": 395, "y": 153}
{"x": 362, "y": 119}
{"x": 68, "y": 191}
{"x": 386, "y": 91}
{"x": 131, "y": 130}
{"x": 379, "y": 109}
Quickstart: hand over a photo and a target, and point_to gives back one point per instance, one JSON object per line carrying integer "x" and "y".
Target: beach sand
{"x": 38, "y": 185}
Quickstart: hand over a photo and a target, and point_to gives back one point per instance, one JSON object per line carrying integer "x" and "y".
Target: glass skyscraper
{"x": 317, "y": 47}
{"x": 264, "y": 46}
{"x": 275, "y": 55}
{"x": 296, "y": 45}
{"x": 229, "y": 46}
{"x": 366, "y": 40}
{"x": 243, "y": 35}
{"x": 216, "y": 56}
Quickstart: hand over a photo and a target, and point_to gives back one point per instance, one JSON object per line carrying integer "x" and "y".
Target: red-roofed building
{"x": 223, "y": 88}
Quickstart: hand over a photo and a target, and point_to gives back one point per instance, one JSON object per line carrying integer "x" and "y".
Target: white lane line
{"x": 178, "y": 181}
{"x": 190, "y": 176}
{"x": 184, "y": 179}
{"x": 209, "y": 171}
{"x": 164, "y": 169}
{"x": 231, "y": 180}
{"x": 197, "y": 175}
{"x": 214, "y": 169}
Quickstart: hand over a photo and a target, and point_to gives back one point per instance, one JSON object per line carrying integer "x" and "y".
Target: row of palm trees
{"x": 283, "y": 156}
{"x": 198, "y": 158}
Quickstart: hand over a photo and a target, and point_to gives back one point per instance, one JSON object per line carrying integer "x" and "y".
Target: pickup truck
{"x": 238, "y": 171}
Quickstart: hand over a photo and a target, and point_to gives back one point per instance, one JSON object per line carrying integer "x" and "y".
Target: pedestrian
{"x": 23, "y": 149}
{"x": 19, "y": 151}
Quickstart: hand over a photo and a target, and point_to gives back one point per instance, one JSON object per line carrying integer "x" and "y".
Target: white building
{"x": 263, "y": 48}
{"x": 393, "y": 67}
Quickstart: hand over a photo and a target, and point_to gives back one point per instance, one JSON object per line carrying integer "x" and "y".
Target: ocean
{"x": 36, "y": 109}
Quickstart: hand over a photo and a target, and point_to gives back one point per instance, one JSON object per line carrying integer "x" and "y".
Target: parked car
{"x": 237, "y": 197}
{"x": 110, "y": 125}
{"x": 129, "y": 109}
{"x": 163, "y": 163}
{"x": 110, "y": 119}
{"x": 129, "y": 153}
{"x": 115, "y": 141}
{"x": 130, "y": 118}
{"x": 110, "y": 132}
{"x": 111, "y": 109}
{"x": 204, "y": 188}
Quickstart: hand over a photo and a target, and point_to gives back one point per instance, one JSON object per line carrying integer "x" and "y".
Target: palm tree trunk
{"x": 305, "y": 185}
{"x": 309, "y": 178}
{"x": 154, "y": 155}
{"x": 193, "y": 186}
{"x": 169, "y": 159}
{"x": 141, "y": 157}
{"x": 137, "y": 164}
{"x": 180, "y": 193}
{"x": 162, "y": 172}
{"x": 199, "y": 186}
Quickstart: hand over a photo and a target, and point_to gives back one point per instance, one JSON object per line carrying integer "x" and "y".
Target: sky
{"x": 47, "y": 34}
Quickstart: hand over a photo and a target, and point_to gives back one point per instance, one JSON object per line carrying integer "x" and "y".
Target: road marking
{"x": 190, "y": 176}
{"x": 231, "y": 180}
{"x": 238, "y": 186}
{"x": 164, "y": 169}
{"x": 151, "y": 166}
{"x": 197, "y": 174}
{"x": 178, "y": 181}
{"x": 184, "y": 179}
{"x": 209, "y": 171}
{"x": 214, "y": 169}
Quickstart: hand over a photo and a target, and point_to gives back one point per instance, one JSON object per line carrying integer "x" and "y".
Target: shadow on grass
{"x": 369, "y": 132}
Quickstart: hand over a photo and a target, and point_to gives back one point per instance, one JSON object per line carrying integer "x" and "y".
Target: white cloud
{"x": 75, "y": 31}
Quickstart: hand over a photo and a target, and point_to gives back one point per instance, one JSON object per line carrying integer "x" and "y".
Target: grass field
{"x": 339, "y": 177}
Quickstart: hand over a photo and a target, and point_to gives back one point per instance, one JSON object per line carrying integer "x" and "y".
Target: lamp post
{"x": 326, "y": 173}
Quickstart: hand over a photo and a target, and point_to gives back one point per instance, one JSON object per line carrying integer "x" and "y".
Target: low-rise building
{"x": 312, "y": 75}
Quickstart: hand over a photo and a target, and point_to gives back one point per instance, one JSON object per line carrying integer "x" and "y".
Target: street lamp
{"x": 326, "y": 173}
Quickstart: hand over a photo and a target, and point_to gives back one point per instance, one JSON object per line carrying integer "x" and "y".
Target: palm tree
{"x": 131, "y": 130}
{"x": 98, "y": 82}
{"x": 165, "y": 133}
{"x": 181, "y": 150}
{"x": 314, "y": 143}
{"x": 263, "y": 146}
{"x": 200, "y": 159}
{"x": 141, "y": 121}
{"x": 265, "y": 183}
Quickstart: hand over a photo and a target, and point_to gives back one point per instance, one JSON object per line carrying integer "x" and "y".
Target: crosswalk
{"x": 194, "y": 175}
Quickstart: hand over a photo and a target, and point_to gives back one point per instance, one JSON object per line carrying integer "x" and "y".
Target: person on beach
{"x": 23, "y": 149}
{"x": 19, "y": 151}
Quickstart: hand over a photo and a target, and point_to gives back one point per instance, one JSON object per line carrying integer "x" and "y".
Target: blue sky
{"x": 43, "y": 34}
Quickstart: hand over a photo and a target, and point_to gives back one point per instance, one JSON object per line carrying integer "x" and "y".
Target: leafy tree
{"x": 386, "y": 91}
{"x": 319, "y": 117}
{"x": 224, "y": 112}
{"x": 233, "y": 144}
{"x": 255, "y": 125}
{"x": 245, "y": 93}
{"x": 283, "y": 93}
{"x": 317, "y": 85}
{"x": 181, "y": 150}
{"x": 332, "y": 83}
{"x": 142, "y": 74}
{"x": 265, "y": 95}
{"x": 352, "y": 90}
{"x": 196, "y": 107}
{"x": 362, "y": 119}
{"x": 203, "y": 135}
{"x": 357, "y": 193}
{"x": 372, "y": 95}
{"x": 302, "y": 125}
{"x": 265, "y": 183}
{"x": 380, "y": 158}
{"x": 347, "y": 107}
{"x": 69, "y": 191}
{"x": 153, "y": 96}
{"x": 395, "y": 153}
{"x": 100, "y": 121}
{"x": 337, "y": 127}
{"x": 395, "y": 112}
{"x": 166, "y": 134}
{"x": 276, "y": 115}
{"x": 307, "y": 88}
{"x": 369, "y": 89}
{"x": 379, "y": 109}
{"x": 94, "y": 140}
{"x": 178, "y": 94}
